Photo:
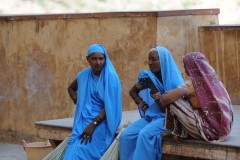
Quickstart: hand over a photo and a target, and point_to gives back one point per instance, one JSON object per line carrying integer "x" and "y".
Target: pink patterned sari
{"x": 214, "y": 118}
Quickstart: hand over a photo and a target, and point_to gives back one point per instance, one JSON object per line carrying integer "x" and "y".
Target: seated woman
{"x": 141, "y": 140}
{"x": 96, "y": 91}
{"x": 206, "y": 111}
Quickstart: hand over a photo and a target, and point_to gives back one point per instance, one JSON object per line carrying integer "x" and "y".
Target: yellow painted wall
{"x": 41, "y": 55}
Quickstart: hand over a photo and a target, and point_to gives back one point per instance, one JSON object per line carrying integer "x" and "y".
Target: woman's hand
{"x": 156, "y": 96}
{"x": 151, "y": 85}
{"x": 141, "y": 103}
{"x": 87, "y": 133}
{"x": 158, "y": 99}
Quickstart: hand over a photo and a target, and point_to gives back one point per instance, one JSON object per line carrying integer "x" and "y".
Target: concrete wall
{"x": 40, "y": 56}
{"x": 180, "y": 34}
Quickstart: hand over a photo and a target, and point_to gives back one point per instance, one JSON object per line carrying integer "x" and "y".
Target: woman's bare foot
{"x": 176, "y": 138}
{"x": 166, "y": 134}
{"x": 169, "y": 134}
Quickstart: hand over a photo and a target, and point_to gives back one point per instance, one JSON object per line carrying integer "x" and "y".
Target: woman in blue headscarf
{"x": 96, "y": 91}
{"x": 142, "y": 140}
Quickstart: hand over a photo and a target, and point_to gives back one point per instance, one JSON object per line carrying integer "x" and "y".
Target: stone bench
{"x": 196, "y": 149}
{"x": 59, "y": 129}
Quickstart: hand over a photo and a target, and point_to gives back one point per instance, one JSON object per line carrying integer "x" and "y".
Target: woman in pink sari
{"x": 201, "y": 107}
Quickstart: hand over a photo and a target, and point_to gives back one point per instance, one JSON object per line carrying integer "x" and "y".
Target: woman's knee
{"x": 123, "y": 136}
{"x": 143, "y": 134}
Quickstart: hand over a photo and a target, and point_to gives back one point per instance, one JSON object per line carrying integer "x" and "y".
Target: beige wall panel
{"x": 40, "y": 58}
{"x": 221, "y": 44}
{"x": 180, "y": 34}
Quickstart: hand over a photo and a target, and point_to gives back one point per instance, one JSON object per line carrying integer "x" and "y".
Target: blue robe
{"x": 141, "y": 140}
{"x": 95, "y": 93}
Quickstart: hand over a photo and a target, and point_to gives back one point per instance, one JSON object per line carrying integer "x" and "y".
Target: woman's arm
{"x": 101, "y": 116}
{"x": 154, "y": 91}
{"x": 171, "y": 96}
{"x": 72, "y": 91}
{"x": 134, "y": 91}
{"x": 167, "y": 98}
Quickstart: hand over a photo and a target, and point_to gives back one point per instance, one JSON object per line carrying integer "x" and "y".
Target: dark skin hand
{"x": 154, "y": 90}
{"x": 86, "y": 136}
{"x": 134, "y": 91}
{"x": 88, "y": 131}
{"x": 137, "y": 88}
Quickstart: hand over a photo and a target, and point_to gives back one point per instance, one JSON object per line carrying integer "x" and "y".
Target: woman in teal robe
{"x": 142, "y": 140}
{"x": 97, "y": 94}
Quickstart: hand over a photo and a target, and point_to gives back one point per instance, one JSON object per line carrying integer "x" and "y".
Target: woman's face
{"x": 96, "y": 61}
{"x": 153, "y": 60}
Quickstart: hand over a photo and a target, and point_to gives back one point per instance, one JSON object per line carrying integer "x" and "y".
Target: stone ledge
{"x": 213, "y": 11}
{"x": 199, "y": 149}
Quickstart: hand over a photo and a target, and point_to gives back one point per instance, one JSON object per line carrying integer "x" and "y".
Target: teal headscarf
{"x": 97, "y": 48}
{"x": 171, "y": 76}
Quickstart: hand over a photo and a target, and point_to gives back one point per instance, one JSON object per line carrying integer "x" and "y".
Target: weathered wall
{"x": 221, "y": 44}
{"x": 179, "y": 33}
{"x": 41, "y": 55}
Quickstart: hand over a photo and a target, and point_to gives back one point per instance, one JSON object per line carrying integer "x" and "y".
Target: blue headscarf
{"x": 109, "y": 90}
{"x": 171, "y": 76}
{"x": 97, "y": 48}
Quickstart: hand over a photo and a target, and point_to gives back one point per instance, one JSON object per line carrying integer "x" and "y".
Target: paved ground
{"x": 12, "y": 152}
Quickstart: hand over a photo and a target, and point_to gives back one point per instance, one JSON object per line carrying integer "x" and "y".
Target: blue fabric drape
{"x": 171, "y": 76}
{"x": 141, "y": 140}
{"x": 94, "y": 94}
